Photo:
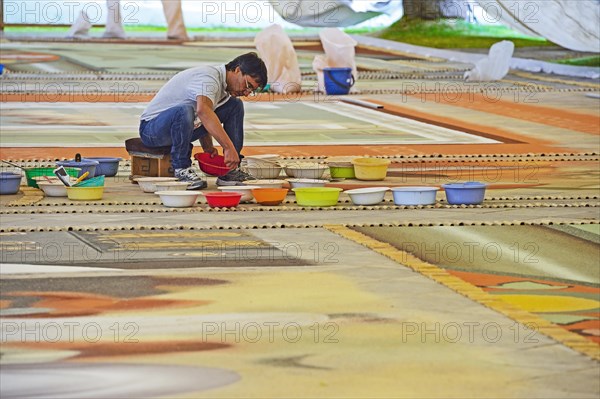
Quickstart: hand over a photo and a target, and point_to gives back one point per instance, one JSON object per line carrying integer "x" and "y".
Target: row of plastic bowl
{"x": 95, "y": 166}
{"x": 370, "y": 169}
{"x": 87, "y": 190}
{"x": 270, "y": 166}
{"x": 90, "y": 189}
{"x": 469, "y": 193}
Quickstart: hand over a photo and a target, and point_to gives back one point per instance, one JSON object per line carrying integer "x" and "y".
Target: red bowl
{"x": 212, "y": 166}
{"x": 223, "y": 199}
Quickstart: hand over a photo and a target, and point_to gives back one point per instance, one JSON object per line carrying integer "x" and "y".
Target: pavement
{"x": 499, "y": 300}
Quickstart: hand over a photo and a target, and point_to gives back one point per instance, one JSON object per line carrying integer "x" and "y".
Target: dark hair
{"x": 250, "y": 64}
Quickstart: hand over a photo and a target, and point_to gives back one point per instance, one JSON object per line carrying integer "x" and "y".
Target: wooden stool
{"x": 148, "y": 161}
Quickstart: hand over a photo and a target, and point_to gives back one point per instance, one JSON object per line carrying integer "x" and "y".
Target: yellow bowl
{"x": 85, "y": 193}
{"x": 370, "y": 168}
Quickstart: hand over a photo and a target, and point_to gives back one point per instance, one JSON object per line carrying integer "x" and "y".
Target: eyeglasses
{"x": 249, "y": 87}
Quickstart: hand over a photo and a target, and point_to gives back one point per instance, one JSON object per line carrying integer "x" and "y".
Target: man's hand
{"x": 232, "y": 160}
{"x": 212, "y": 151}
{"x": 207, "y": 145}
{"x": 215, "y": 130}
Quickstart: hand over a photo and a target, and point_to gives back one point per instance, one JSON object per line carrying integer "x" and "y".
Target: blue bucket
{"x": 108, "y": 166}
{"x": 9, "y": 183}
{"x": 86, "y": 165}
{"x": 338, "y": 80}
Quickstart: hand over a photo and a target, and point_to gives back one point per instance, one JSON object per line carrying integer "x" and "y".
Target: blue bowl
{"x": 86, "y": 165}
{"x": 467, "y": 193}
{"x": 9, "y": 183}
{"x": 107, "y": 166}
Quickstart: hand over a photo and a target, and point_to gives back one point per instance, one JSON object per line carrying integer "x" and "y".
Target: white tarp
{"x": 334, "y": 13}
{"x": 572, "y": 24}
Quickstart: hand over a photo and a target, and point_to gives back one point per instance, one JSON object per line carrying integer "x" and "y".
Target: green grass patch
{"x": 141, "y": 29}
{"x": 455, "y": 34}
{"x": 39, "y": 30}
{"x": 593, "y": 61}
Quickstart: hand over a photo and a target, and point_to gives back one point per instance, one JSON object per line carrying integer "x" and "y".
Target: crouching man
{"x": 201, "y": 103}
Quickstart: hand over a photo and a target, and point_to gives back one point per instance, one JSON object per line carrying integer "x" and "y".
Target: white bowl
{"x": 414, "y": 195}
{"x": 47, "y": 179}
{"x": 263, "y": 157}
{"x": 178, "y": 199}
{"x": 306, "y": 172}
{"x": 262, "y": 161}
{"x": 246, "y": 191}
{"x": 265, "y": 183}
{"x": 298, "y": 183}
{"x": 367, "y": 196}
{"x": 172, "y": 185}
{"x": 148, "y": 184}
{"x": 54, "y": 189}
{"x": 264, "y": 172}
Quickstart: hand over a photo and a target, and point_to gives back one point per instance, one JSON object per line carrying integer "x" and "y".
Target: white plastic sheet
{"x": 572, "y": 24}
{"x": 333, "y": 13}
{"x": 277, "y": 51}
{"x": 495, "y": 66}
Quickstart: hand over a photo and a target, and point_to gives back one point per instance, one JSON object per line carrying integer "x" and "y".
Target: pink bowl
{"x": 212, "y": 166}
{"x": 223, "y": 199}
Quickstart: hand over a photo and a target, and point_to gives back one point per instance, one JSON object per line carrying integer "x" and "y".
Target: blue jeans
{"x": 175, "y": 127}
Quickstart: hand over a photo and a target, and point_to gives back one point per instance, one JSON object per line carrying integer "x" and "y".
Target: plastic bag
{"x": 339, "y": 53}
{"x": 319, "y": 63}
{"x": 493, "y": 67}
{"x": 276, "y": 50}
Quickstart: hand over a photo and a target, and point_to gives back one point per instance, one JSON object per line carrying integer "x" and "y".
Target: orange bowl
{"x": 269, "y": 196}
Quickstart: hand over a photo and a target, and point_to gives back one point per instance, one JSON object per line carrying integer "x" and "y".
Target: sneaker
{"x": 235, "y": 177}
{"x": 190, "y": 175}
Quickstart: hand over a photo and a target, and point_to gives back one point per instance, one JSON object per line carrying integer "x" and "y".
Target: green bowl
{"x": 347, "y": 172}
{"x": 317, "y": 196}
{"x": 97, "y": 181}
{"x": 32, "y": 173}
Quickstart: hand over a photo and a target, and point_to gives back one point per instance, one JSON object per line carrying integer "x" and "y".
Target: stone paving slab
{"x": 398, "y": 309}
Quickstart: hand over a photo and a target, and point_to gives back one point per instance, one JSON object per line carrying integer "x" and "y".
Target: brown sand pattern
{"x": 580, "y": 122}
{"x": 88, "y": 350}
{"x": 75, "y": 304}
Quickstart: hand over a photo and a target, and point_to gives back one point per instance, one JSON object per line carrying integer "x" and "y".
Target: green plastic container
{"x": 97, "y": 181}
{"x": 32, "y": 173}
{"x": 346, "y": 172}
{"x": 317, "y": 196}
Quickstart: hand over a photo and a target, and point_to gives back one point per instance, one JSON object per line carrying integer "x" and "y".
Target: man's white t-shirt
{"x": 186, "y": 86}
